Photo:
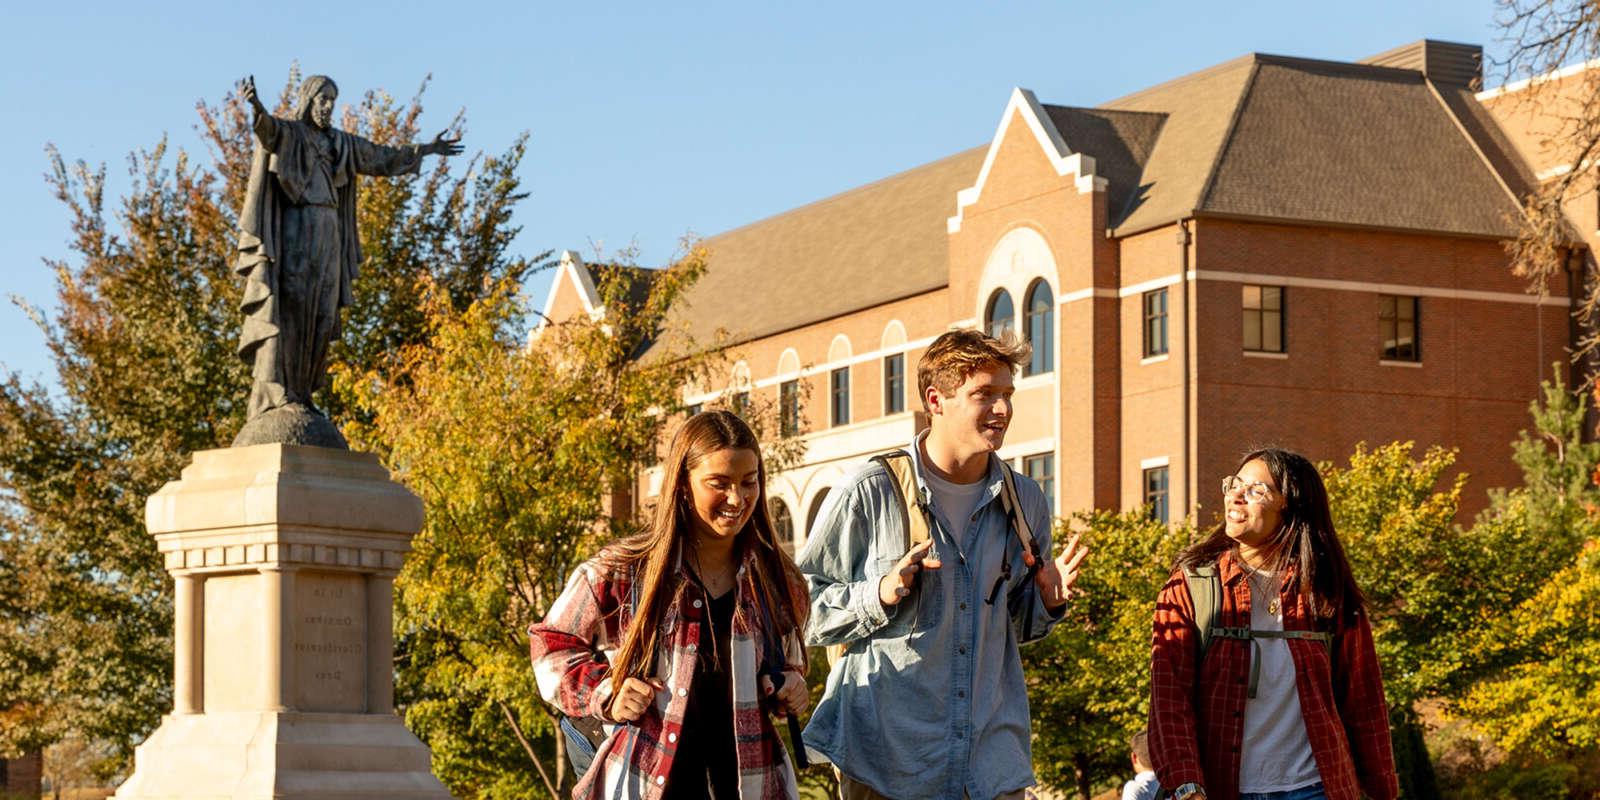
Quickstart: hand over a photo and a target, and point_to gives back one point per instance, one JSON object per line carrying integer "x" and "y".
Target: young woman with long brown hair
{"x": 1285, "y": 703}
{"x": 673, "y": 637}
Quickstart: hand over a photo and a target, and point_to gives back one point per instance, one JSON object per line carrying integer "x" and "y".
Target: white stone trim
{"x": 894, "y": 335}
{"x": 1147, "y": 360}
{"x": 1032, "y": 447}
{"x": 1554, "y": 75}
{"x": 1265, "y": 354}
{"x": 571, "y": 268}
{"x": 787, "y": 369}
{"x": 1085, "y": 294}
{"x": 839, "y": 349}
{"x": 1078, "y": 165}
{"x": 1380, "y": 288}
{"x": 1157, "y": 461}
{"x": 1384, "y": 362}
{"x": 1150, "y": 285}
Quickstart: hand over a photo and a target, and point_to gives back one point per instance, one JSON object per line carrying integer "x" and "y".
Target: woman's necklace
{"x": 1270, "y": 590}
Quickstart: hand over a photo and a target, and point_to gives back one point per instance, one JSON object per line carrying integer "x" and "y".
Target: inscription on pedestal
{"x": 329, "y": 642}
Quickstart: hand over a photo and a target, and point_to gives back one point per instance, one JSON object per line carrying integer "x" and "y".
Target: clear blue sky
{"x": 647, "y": 120}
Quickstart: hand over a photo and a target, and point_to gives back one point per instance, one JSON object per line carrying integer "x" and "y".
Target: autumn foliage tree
{"x": 1089, "y": 680}
{"x": 143, "y": 346}
{"x": 515, "y": 448}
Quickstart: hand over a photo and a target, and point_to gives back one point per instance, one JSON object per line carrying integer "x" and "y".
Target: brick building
{"x": 21, "y": 776}
{"x": 1272, "y": 250}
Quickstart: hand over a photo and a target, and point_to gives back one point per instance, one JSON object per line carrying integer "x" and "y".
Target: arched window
{"x": 816, "y": 508}
{"x": 782, "y": 524}
{"x": 1039, "y": 320}
{"x": 1001, "y": 317}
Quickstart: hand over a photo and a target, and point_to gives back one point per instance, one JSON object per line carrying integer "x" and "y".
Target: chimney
{"x": 1447, "y": 63}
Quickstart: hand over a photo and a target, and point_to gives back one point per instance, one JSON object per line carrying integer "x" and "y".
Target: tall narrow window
{"x": 839, "y": 391}
{"x": 789, "y": 408}
{"x": 739, "y": 403}
{"x": 1000, "y": 318}
{"x": 1039, "y": 320}
{"x": 782, "y": 524}
{"x": 1042, "y": 469}
{"x": 1155, "y": 493}
{"x": 894, "y": 383}
{"x": 1155, "y": 322}
{"x": 1263, "y": 319}
{"x": 692, "y": 409}
{"x": 1401, "y": 318}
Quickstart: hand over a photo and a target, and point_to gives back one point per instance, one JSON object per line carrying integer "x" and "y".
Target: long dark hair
{"x": 652, "y": 556}
{"x": 1305, "y": 538}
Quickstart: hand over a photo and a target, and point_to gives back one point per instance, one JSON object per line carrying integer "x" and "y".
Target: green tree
{"x": 143, "y": 346}
{"x": 516, "y": 449}
{"x": 1089, "y": 680}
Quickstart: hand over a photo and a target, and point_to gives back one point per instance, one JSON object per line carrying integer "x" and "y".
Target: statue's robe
{"x": 299, "y": 250}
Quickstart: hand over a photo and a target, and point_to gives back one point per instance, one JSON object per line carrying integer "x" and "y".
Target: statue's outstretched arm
{"x": 265, "y": 126}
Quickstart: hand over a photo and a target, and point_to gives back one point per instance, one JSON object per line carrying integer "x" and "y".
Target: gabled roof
{"x": 1296, "y": 139}
{"x": 868, "y": 246}
{"x": 1400, "y": 145}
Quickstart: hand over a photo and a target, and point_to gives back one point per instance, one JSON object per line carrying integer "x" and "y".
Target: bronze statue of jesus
{"x": 299, "y": 252}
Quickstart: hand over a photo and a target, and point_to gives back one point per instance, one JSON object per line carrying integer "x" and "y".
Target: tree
{"x": 514, "y": 448}
{"x": 1544, "y": 36}
{"x": 143, "y": 346}
{"x": 1089, "y": 680}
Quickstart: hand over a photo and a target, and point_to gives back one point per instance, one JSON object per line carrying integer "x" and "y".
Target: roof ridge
{"x": 846, "y": 193}
{"x": 1098, "y": 109}
{"x": 1227, "y": 135}
{"x": 1230, "y": 64}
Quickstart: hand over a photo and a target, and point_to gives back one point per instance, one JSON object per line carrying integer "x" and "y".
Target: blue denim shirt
{"x": 928, "y": 700}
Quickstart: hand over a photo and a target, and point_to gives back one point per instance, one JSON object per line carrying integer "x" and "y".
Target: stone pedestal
{"x": 284, "y": 559}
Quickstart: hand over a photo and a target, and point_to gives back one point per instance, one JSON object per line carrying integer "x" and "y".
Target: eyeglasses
{"x": 1254, "y": 491}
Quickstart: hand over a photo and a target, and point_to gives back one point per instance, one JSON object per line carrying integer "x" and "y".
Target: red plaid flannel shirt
{"x": 1197, "y": 725}
{"x": 635, "y": 759}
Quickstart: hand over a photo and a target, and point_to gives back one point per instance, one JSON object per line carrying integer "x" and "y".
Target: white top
{"x": 955, "y": 502}
{"x": 1276, "y": 754}
{"x": 1144, "y": 786}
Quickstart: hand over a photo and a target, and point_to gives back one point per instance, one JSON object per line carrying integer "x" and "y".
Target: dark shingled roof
{"x": 1119, "y": 141}
{"x": 1260, "y": 137}
{"x": 1355, "y": 145}
{"x": 873, "y": 244}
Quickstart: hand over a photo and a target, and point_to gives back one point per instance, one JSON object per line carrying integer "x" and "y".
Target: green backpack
{"x": 1205, "y": 593}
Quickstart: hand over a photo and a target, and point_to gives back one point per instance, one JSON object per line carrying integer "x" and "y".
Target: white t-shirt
{"x": 955, "y": 502}
{"x": 1276, "y": 754}
{"x": 1144, "y": 786}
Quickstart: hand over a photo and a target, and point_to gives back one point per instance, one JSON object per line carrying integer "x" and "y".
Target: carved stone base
{"x": 282, "y": 756}
{"x": 283, "y": 561}
{"x": 291, "y": 424}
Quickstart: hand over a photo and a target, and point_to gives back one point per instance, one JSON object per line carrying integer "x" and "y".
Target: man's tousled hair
{"x": 955, "y": 355}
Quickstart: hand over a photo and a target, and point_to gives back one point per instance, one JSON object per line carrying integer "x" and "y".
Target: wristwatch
{"x": 1188, "y": 791}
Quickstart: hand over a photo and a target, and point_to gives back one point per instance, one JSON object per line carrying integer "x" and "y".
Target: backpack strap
{"x": 1205, "y": 593}
{"x": 1019, "y": 520}
{"x": 917, "y": 526}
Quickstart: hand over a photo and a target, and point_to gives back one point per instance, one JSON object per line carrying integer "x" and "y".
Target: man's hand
{"x": 895, "y": 586}
{"x": 792, "y": 698}
{"x": 247, "y": 92}
{"x": 443, "y": 146}
{"x": 636, "y": 695}
{"x": 1055, "y": 577}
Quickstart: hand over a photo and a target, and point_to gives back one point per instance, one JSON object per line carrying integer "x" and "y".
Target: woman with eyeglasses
{"x": 1264, "y": 681}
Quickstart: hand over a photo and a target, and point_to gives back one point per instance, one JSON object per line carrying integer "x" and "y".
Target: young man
{"x": 928, "y": 700}
{"x": 1144, "y": 785}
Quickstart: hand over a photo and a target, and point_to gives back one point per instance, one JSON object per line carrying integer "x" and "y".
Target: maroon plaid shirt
{"x": 1197, "y": 722}
{"x": 636, "y": 758}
